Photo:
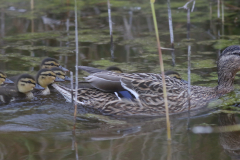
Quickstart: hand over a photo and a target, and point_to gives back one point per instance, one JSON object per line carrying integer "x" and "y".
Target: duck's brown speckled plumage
{"x": 147, "y": 88}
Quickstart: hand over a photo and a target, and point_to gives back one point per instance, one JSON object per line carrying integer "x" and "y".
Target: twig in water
{"x": 189, "y": 55}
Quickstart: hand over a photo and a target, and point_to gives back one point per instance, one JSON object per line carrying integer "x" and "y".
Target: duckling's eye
{"x": 59, "y": 74}
{"x": 29, "y": 81}
{"x": 49, "y": 74}
{"x": 52, "y": 64}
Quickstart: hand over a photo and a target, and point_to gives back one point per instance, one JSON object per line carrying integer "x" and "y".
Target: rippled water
{"x": 42, "y": 128}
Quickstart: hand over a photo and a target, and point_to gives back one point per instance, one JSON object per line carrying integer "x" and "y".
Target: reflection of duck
{"x": 50, "y": 63}
{"x": 230, "y": 141}
{"x": 4, "y": 79}
{"x": 24, "y": 84}
{"x": 45, "y": 77}
{"x": 147, "y": 89}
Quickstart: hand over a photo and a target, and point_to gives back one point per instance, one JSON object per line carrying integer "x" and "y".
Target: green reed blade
{"x": 162, "y": 69}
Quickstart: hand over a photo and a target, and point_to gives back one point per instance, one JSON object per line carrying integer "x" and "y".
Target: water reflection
{"x": 230, "y": 140}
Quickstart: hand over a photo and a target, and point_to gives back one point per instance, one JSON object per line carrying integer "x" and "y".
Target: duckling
{"x": 50, "y": 63}
{"x": 174, "y": 74}
{"x": 45, "y": 77}
{"x": 4, "y": 79}
{"x": 60, "y": 73}
{"x": 22, "y": 89}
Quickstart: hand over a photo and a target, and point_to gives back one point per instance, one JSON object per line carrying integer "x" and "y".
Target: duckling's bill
{"x": 59, "y": 79}
{"x": 67, "y": 78}
{"x": 64, "y": 69}
{"x": 8, "y": 81}
{"x": 38, "y": 87}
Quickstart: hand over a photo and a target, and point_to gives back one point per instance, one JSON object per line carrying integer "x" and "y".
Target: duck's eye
{"x": 49, "y": 74}
{"x": 59, "y": 74}
{"x": 52, "y": 64}
{"x": 29, "y": 81}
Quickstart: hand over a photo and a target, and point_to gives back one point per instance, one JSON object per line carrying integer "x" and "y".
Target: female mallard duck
{"x": 50, "y": 63}
{"x": 22, "y": 89}
{"x": 147, "y": 89}
{"x": 44, "y": 78}
{"x": 4, "y": 79}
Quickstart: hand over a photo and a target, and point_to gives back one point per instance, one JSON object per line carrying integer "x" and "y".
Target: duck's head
{"x": 174, "y": 74}
{"x": 114, "y": 69}
{"x": 4, "y": 79}
{"x": 26, "y": 83}
{"x": 60, "y": 73}
{"x": 46, "y": 77}
{"x": 228, "y": 66}
{"x": 50, "y": 63}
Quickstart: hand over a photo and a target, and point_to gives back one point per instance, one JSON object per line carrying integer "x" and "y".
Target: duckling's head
{"x": 45, "y": 77}
{"x": 173, "y": 74}
{"x": 60, "y": 74}
{"x": 3, "y": 77}
{"x": 228, "y": 66}
{"x": 50, "y": 63}
{"x": 25, "y": 83}
{"x": 114, "y": 69}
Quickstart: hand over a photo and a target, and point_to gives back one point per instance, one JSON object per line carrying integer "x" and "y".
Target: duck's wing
{"x": 105, "y": 81}
{"x": 90, "y": 69}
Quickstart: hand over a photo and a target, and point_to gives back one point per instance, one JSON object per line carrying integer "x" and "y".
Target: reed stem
{"x": 162, "y": 70}
{"x": 71, "y": 75}
{"x": 76, "y": 66}
{"x": 171, "y": 31}
{"x": 110, "y": 29}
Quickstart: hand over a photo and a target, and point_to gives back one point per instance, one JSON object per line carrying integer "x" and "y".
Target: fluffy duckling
{"x": 174, "y": 74}
{"x": 114, "y": 69}
{"x": 4, "y": 79}
{"x": 24, "y": 84}
{"x": 50, "y": 63}
{"x": 45, "y": 77}
{"x": 60, "y": 73}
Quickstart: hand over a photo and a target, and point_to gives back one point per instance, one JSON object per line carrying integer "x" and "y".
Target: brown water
{"x": 42, "y": 128}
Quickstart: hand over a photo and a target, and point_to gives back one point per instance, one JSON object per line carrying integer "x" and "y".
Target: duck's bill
{"x": 64, "y": 69}
{"x": 38, "y": 87}
{"x": 67, "y": 78}
{"x": 58, "y": 79}
{"x": 7, "y": 81}
{"x": 184, "y": 81}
